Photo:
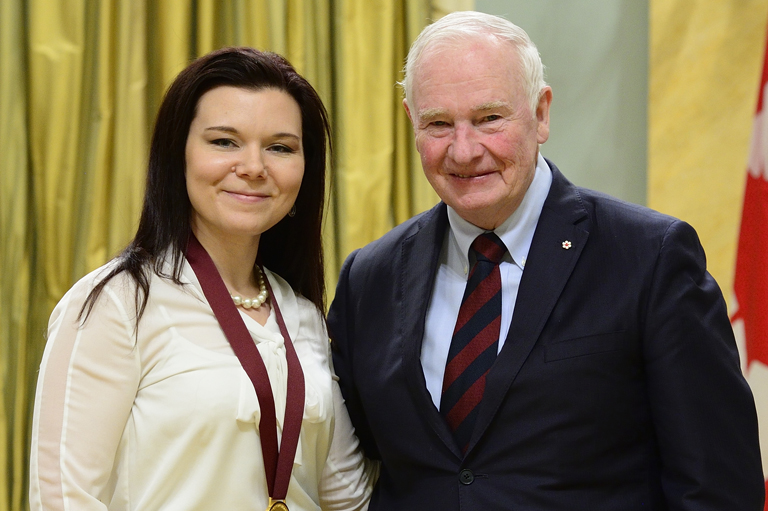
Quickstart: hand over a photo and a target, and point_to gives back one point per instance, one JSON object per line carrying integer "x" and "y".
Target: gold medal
{"x": 277, "y": 505}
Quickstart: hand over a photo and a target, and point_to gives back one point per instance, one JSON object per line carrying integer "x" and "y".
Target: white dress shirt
{"x": 453, "y": 271}
{"x": 166, "y": 418}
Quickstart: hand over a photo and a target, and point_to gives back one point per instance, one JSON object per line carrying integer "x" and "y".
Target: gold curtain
{"x": 15, "y": 258}
{"x": 80, "y": 82}
{"x": 378, "y": 179}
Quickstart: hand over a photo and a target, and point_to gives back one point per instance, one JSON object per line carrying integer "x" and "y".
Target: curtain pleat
{"x": 374, "y": 160}
{"x": 16, "y": 254}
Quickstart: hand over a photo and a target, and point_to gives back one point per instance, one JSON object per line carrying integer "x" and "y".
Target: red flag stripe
{"x": 750, "y": 284}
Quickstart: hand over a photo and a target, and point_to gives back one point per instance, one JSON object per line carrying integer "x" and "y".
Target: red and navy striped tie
{"x": 475, "y": 339}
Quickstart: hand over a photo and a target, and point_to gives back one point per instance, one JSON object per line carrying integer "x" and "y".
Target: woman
{"x": 152, "y": 393}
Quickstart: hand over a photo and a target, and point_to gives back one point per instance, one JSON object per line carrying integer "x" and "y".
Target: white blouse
{"x": 166, "y": 418}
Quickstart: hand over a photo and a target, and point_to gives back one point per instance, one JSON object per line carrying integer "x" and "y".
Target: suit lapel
{"x": 547, "y": 270}
{"x": 419, "y": 257}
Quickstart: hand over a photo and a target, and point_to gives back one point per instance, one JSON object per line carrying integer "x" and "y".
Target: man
{"x": 588, "y": 365}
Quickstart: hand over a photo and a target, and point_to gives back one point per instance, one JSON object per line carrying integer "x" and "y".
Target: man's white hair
{"x": 463, "y": 25}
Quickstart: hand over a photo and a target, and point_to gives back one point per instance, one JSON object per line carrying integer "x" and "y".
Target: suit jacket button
{"x": 466, "y": 476}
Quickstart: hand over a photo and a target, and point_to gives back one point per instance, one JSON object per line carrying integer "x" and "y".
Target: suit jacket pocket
{"x": 582, "y": 346}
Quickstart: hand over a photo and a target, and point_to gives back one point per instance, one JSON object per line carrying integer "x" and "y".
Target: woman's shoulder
{"x": 83, "y": 287}
{"x": 117, "y": 288}
{"x": 75, "y": 304}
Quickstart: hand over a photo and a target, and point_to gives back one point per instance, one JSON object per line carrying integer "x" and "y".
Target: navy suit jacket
{"x": 618, "y": 387}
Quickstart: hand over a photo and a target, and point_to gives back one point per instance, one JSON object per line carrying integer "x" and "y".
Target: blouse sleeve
{"x": 85, "y": 390}
{"x": 348, "y": 478}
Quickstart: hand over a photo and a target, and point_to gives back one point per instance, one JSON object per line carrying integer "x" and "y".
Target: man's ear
{"x": 410, "y": 117}
{"x": 542, "y": 114}
{"x": 407, "y": 110}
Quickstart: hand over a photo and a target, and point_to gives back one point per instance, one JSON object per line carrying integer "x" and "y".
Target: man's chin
{"x": 487, "y": 216}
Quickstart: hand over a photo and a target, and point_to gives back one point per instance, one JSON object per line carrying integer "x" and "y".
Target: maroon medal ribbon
{"x": 277, "y": 463}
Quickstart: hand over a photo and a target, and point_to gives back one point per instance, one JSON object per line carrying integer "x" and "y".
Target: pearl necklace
{"x": 253, "y": 303}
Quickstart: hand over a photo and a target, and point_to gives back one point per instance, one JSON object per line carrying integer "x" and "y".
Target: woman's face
{"x": 244, "y": 161}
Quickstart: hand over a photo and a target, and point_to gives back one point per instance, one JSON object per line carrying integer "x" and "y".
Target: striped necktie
{"x": 475, "y": 339}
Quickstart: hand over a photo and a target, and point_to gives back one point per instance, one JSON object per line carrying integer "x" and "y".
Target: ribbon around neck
{"x": 277, "y": 463}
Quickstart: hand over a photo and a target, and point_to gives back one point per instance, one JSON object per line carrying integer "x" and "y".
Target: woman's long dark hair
{"x": 293, "y": 247}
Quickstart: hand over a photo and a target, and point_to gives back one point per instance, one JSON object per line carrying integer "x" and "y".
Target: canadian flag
{"x": 750, "y": 319}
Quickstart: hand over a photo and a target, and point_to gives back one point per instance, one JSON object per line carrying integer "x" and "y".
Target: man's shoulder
{"x": 393, "y": 239}
{"x": 609, "y": 217}
{"x": 414, "y": 240}
{"x": 601, "y": 202}
{"x": 633, "y": 226}
{"x": 600, "y": 206}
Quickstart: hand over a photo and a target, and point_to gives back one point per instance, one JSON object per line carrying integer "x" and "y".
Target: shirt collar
{"x": 516, "y": 231}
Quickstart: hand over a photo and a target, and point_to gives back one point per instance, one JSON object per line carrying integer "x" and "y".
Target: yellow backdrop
{"x": 705, "y": 62}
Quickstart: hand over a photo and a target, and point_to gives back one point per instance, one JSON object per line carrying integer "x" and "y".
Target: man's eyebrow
{"x": 430, "y": 114}
{"x": 491, "y": 105}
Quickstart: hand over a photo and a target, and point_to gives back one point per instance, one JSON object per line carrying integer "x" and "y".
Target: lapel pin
{"x": 567, "y": 244}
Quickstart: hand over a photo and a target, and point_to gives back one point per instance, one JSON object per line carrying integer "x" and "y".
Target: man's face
{"x": 475, "y": 131}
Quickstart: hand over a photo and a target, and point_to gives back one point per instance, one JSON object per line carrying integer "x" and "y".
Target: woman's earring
{"x": 292, "y": 212}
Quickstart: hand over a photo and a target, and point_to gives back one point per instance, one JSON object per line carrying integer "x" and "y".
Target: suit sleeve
{"x": 348, "y": 478}
{"x": 341, "y": 325}
{"x": 702, "y": 408}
